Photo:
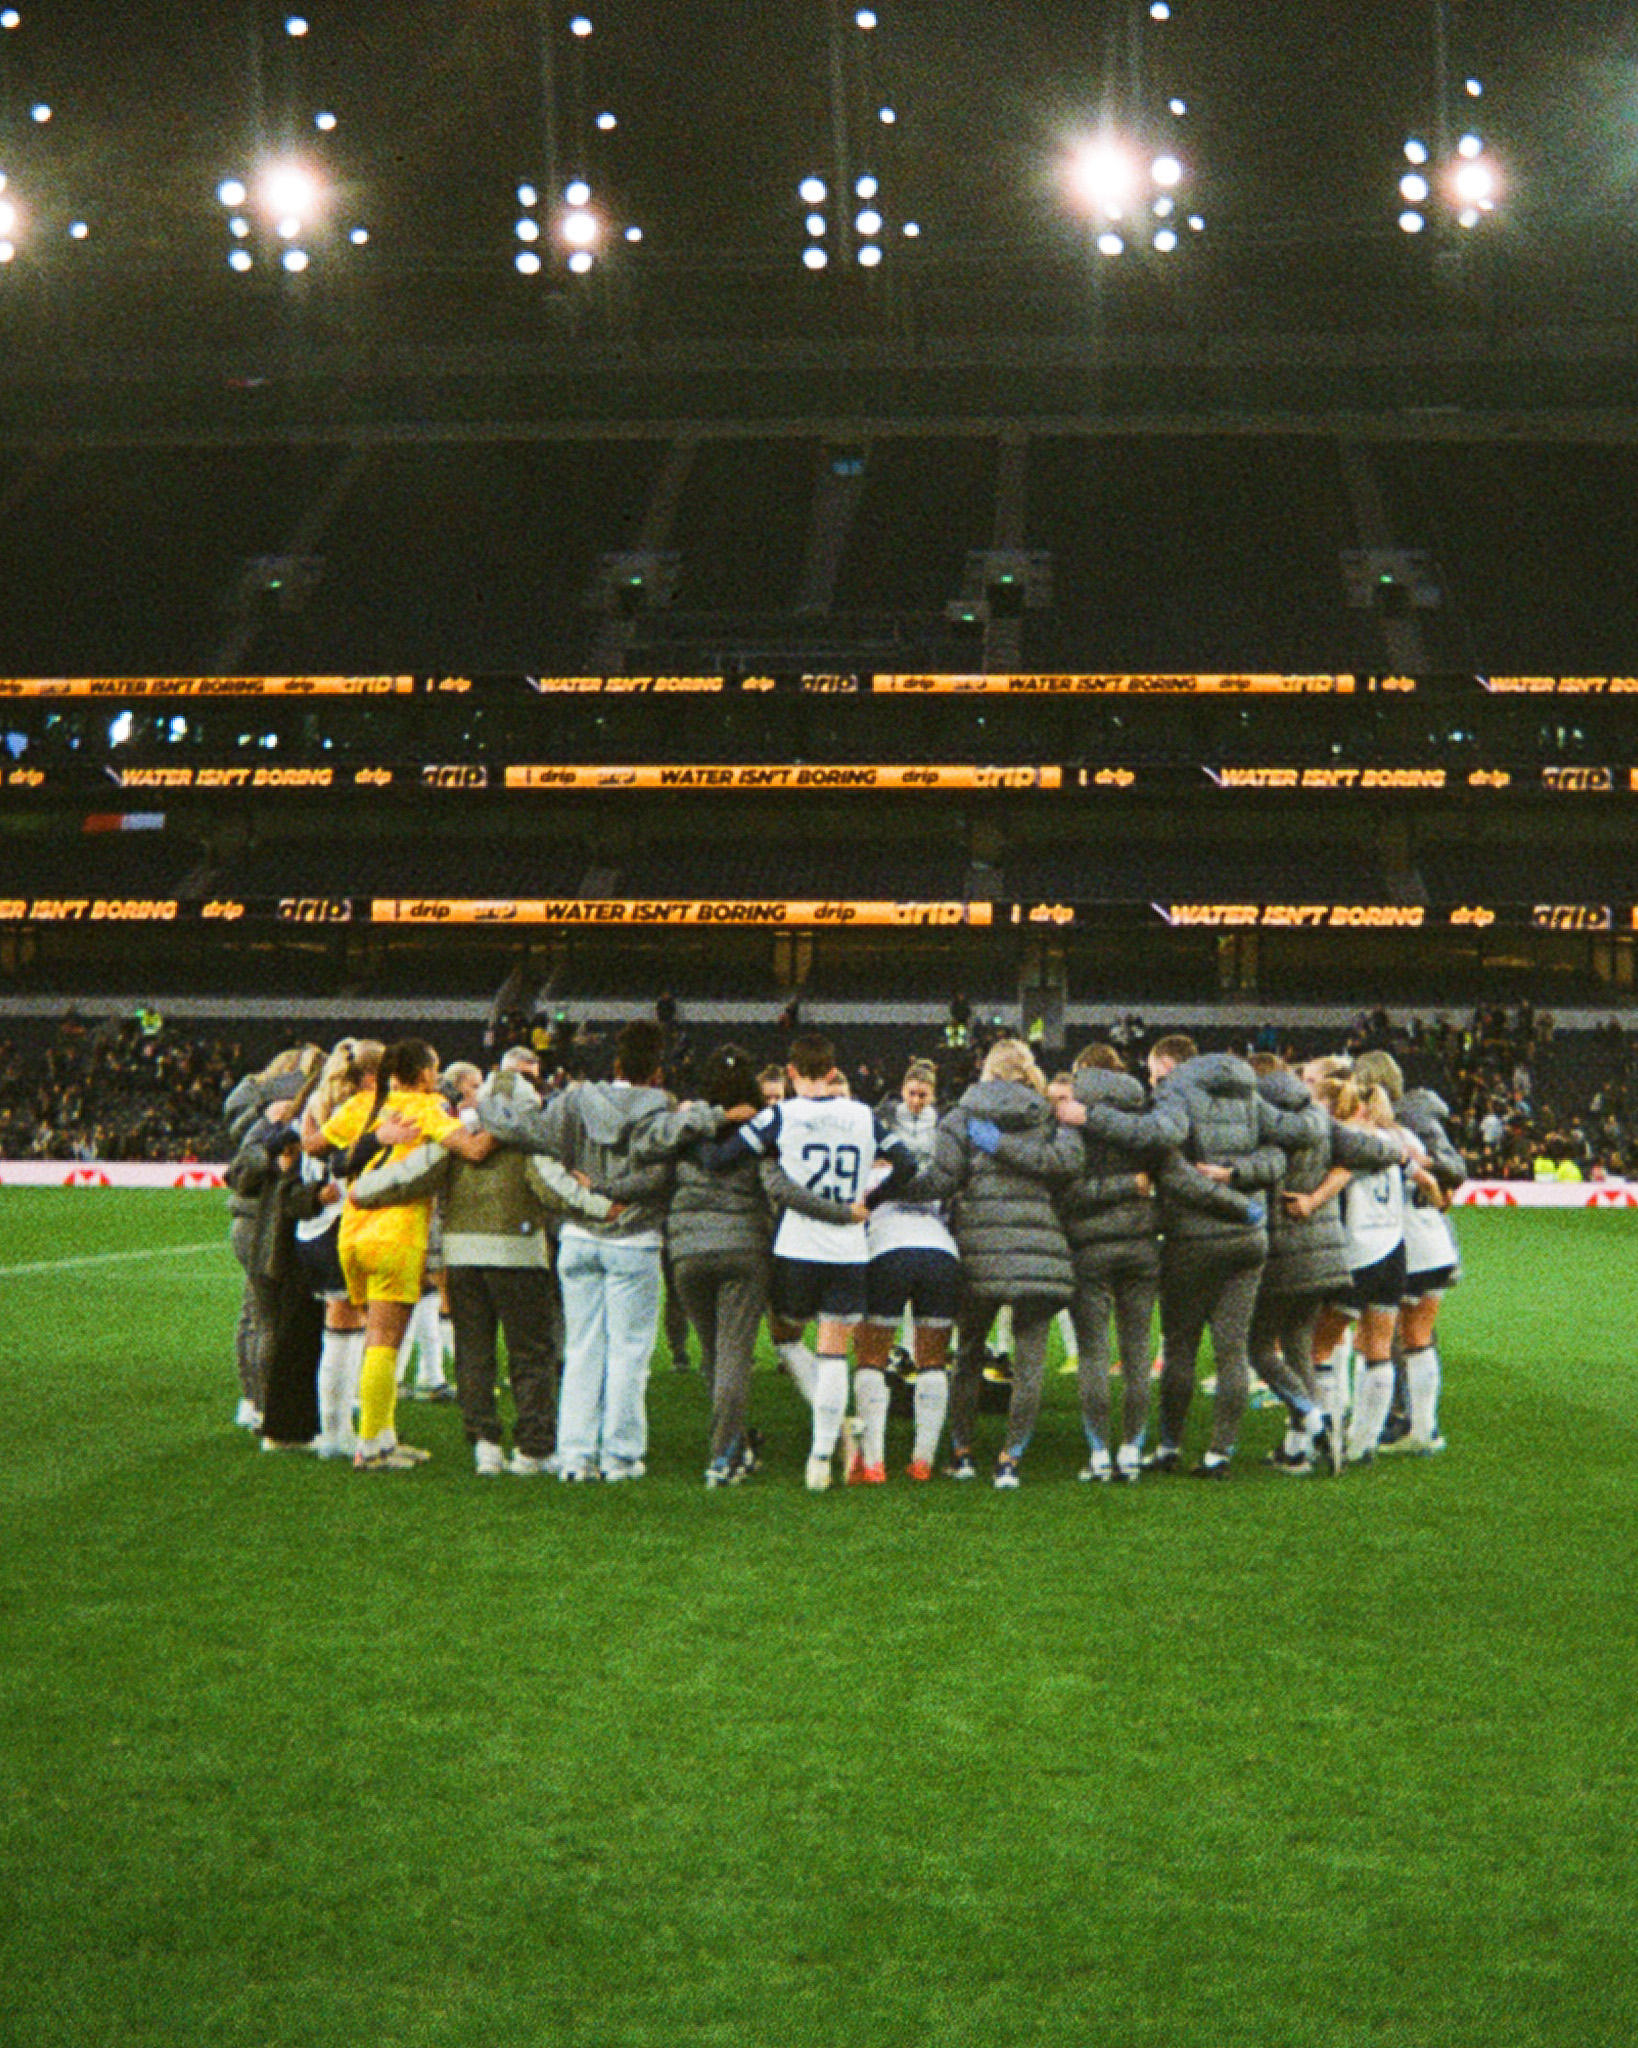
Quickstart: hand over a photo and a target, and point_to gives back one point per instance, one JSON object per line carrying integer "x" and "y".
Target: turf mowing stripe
{"x": 161, "y": 1251}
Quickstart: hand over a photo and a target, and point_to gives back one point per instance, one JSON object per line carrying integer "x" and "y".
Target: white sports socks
{"x": 829, "y": 1402}
{"x": 932, "y": 1396}
{"x": 802, "y": 1366}
{"x": 870, "y": 1405}
{"x": 1372, "y": 1399}
{"x": 1422, "y": 1377}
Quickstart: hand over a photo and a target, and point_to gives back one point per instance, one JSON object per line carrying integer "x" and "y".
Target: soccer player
{"x": 825, "y": 1143}
{"x": 913, "y": 1264}
{"x": 340, "y": 1105}
{"x": 383, "y": 1251}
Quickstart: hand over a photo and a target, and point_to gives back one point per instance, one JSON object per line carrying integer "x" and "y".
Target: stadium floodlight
{"x": 8, "y": 251}
{"x": 815, "y": 224}
{"x": 1475, "y": 89}
{"x": 634, "y": 234}
{"x": 581, "y": 25}
{"x": 289, "y": 192}
{"x": 1110, "y": 244}
{"x": 869, "y": 222}
{"x": 815, "y": 259}
{"x": 887, "y": 116}
{"x": 1103, "y": 176}
{"x": 870, "y": 255}
{"x": 240, "y": 260}
{"x": 527, "y": 262}
{"x": 581, "y": 261}
{"x": 1159, "y": 10}
{"x": 528, "y": 230}
{"x": 1412, "y": 222}
{"x": 288, "y": 229}
{"x": 1414, "y": 187}
{"x": 11, "y": 19}
{"x": 577, "y": 193}
{"x": 325, "y": 123}
{"x": 8, "y": 217}
{"x": 238, "y": 227}
{"x": 1166, "y": 241}
{"x": 578, "y": 228}
{"x": 528, "y": 196}
{"x": 912, "y": 228}
{"x": 1166, "y": 172}
{"x": 1197, "y": 223}
{"x": 1416, "y": 150}
{"x": 78, "y": 231}
{"x": 812, "y": 191}
{"x": 358, "y": 237}
{"x": 231, "y": 192}
{"x": 295, "y": 261}
{"x": 1469, "y": 217}
{"x": 295, "y": 25}
{"x": 866, "y": 187}
{"x": 1164, "y": 207}
{"x": 607, "y": 123}
{"x": 1470, "y": 146}
{"x": 1178, "y": 107}
{"x": 1475, "y": 184}
{"x": 865, "y": 18}
{"x": 40, "y": 112}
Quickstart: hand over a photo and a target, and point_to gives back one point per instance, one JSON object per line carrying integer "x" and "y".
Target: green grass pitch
{"x": 295, "y": 1756}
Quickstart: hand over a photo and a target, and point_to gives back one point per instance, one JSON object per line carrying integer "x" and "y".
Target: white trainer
{"x": 818, "y": 1475}
{"x": 623, "y": 1468}
{"x": 247, "y": 1416}
{"x": 488, "y": 1460}
{"x": 1099, "y": 1467}
{"x": 1129, "y": 1463}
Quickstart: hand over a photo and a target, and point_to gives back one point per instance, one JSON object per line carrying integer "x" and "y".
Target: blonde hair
{"x": 1377, "y": 1108}
{"x": 1338, "y": 1095}
{"x": 352, "y": 1065}
{"x": 920, "y": 1070}
{"x": 1009, "y": 1060}
{"x": 1330, "y": 1066}
{"x": 1380, "y": 1070}
{"x": 295, "y": 1059}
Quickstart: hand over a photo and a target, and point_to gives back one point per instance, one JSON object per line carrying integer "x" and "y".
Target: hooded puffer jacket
{"x": 719, "y": 1213}
{"x": 1425, "y": 1114}
{"x": 1003, "y": 1216}
{"x": 1308, "y": 1254}
{"x": 1103, "y": 1205}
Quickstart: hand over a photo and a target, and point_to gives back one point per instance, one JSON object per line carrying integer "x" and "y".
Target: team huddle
{"x": 384, "y": 1209}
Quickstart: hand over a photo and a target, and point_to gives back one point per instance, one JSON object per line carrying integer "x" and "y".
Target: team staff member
{"x": 341, "y": 1103}
{"x": 383, "y": 1251}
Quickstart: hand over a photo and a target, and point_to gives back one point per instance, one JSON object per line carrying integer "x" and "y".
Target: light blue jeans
{"x": 611, "y": 1309}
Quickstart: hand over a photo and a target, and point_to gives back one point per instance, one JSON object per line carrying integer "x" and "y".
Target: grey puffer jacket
{"x": 591, "y": 1128}
{"x": 243, "y": 1108}
{"x": 1308, "y": 1254}
{"x": 1217, "y": 1118}
{"x": 719, "y": 1214}
{"x": 1002, "y": 1213}
{"x": 1425, "y": 1114}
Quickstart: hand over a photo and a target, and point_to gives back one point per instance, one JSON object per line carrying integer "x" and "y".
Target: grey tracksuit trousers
{"x": 253, "y": 1340}
{"x": 1120, "y": 1279}
{"x": 725, "y": 1295}
{"x": 1200, "y": 1285}
{"x": 1282, "y": 1342}
{"x": 1031, "y": 1320}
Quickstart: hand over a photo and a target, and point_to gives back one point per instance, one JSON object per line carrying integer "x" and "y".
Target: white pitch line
{"x": 163, "y": 1251}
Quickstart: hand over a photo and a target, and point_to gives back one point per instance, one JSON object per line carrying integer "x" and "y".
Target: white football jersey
{"x": 1429, "y": 1241}
{"x": 826, "y": 1144}
{"x": 907, "y": 1226}
{"x": 1373, "y": 1215}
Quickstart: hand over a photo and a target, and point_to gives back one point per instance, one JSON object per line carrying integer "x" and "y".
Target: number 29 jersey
{"x": 826, "y": 1144}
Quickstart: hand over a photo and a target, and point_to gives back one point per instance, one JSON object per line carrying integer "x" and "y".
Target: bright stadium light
{"x": 1103, "y": 177}
{"x": 1469, "y": 217}
{"x": 528, "y": 263}
{"x": 865, "y": 18}
{"x": 887, "y": 116}
{"x": 1178, "y": 107}
{"x": 815, "y": 259}
{"x": 815, "y": 224}
{"x": 634, "y": 234}
{"x": 1166, "y": 172}
{"x": 912, "y": 228}
{"x": 1166, "y": 241}
{"x": 1475, "y": 184}
{"x": 578, "y": 228}
{"x": 325, "y": 123}
{"x": 1412, "y": 222}
{"x": 1164, "y": 207}
{"x": 1470, "y": 146}
{"x": 528, "y": 230}
{"x": 1416, "y": 150}
{"x": 581, "y": 25}
{"x": 1110, "y": 244}
{"x": 581, "y": 261}
{"x": 40, "y": 112}
{"x": 78, "y": 231}
{"x": 1475, "y": 89}
{"x": 578, "y": 193}
{"x": 1159, "y": 10}
{"x": 238, "y": 227}
{"x": 295, "y": 25}
{"x": 358, "y": 237}
{"x": 295, "y": 261}
{"x": 527, "y": 195}
{"x": 870, "y": 255}
{"x": 607, "y": 123}
{"x": 812, "y": 191}
{"x": 866, "y": 187}
{"x": 8, "y": 217}
{"x": 231, "y": 192}
{"x": 1414, "y": 187}
{"x": 869, "y": 222}
{"x": 289, "y": 192}
{"x": 8, "y": 251}
{"x": 288, "y": 229}
{"x": 11, "y": 19}
{"x": 241, "y": 260}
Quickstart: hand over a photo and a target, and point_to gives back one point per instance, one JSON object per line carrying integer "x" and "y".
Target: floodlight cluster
{"x": 1127, "y": 194}
{"x": 1467, "y": 183}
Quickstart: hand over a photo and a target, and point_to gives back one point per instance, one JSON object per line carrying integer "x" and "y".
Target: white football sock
{"x": 870, "y": 1405}
{"x": 1001, "y": 1332}
{"x": 829, "y": 1402}
{"x": 1066, "y": 1330}
{"x": 1328, "y": 1388}
{"x": 1422, "y": 1375}
{"x": 429, "y": 1356}
{"x": 932, "y": 1394}
{"x": 1372, "y": 1400}
{"x": 1342, "y": 1364}
{"x": 355, "y": 1372}
{"x": 446, "y": 1337}
{"x": 802, "y": 1366}
{"x": 334, "y": 1397}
